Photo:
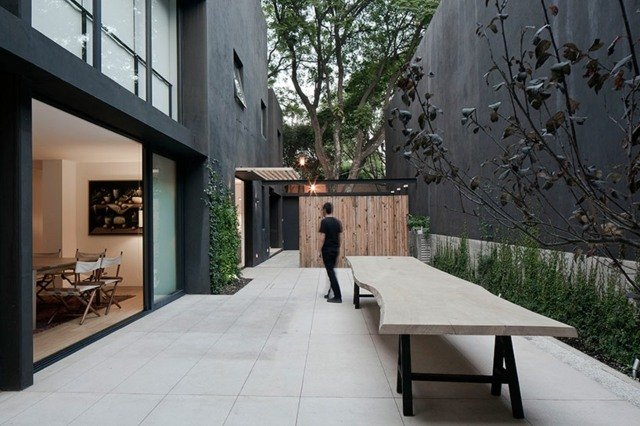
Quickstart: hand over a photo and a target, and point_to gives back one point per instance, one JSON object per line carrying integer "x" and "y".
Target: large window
{"x": 123, "y": 42}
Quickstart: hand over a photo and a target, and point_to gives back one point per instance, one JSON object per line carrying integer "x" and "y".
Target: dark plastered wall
{"x": 195, "y": 116}
{"x": 211, "y": 32}
{"x": 235, "y": 134}
{"x": 459, "y": 59}
{"x": 20, "y": 8}
{"x": 16, "y": 281}
{"x": 274, "y": 138}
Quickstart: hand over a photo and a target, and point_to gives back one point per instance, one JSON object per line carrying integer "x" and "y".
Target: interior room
{"x": 88, "y": 217}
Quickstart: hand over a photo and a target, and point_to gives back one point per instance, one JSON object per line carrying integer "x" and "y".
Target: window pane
{"x": 117, "y": 18}
{"x": 142, "y": 80}
{"x": 62, "y": 22}
{"x": 118, "y": 63}
{"x": 123, "y": 38}
{"x": 161, "y": 94}
{"x": 165, "y": 276}
{"x": 164, "y": 30}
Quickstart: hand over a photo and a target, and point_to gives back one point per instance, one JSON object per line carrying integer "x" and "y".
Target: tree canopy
{"x": 342, "y": 59}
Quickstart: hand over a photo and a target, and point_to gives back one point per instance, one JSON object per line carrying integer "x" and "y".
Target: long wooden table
{"x": 47, "y": 265}
{"x": 415, "y": 298}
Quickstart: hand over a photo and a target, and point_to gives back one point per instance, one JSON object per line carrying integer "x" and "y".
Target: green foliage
{"x": 224, "y": 240}
{"x": 455, "y": 260}
{"x": 417, "y": 221}
{"x": 588, "y": 298}
{"x": 343, "y": 58}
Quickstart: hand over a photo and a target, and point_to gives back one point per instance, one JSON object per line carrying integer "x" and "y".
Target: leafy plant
{"x": 343, "y": 59}
{"x": 417, "y": 221}
{"x": 224, "y": 240}
{"x": 535, "y": 150}
{"x": 590, "y": 298}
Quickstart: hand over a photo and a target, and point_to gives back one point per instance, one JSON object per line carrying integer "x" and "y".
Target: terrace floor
{"x": 276, "y": 353}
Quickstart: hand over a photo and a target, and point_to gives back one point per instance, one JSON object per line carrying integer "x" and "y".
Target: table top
{"x": 44, "y": 264}
{"x": 415, "y": 298}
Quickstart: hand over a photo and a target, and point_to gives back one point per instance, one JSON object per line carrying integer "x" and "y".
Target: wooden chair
{"x": 80, "y": 289}
{"x": 45, "y": 280}
{"x": 109, "y": 283}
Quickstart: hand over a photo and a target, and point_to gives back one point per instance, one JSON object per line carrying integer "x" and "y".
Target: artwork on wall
{"x": 115, "y": 207}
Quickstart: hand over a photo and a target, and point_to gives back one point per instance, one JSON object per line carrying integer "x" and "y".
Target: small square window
{"x": 263, "y": 119}
{"x": 238, "y": 81}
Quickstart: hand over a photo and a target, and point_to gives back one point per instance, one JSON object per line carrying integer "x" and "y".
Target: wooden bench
{"x": 415, "y": 298}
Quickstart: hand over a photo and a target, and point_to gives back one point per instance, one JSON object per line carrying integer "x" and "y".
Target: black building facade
{"x": 459, "y": 59}
{"x": 186, "y": 80}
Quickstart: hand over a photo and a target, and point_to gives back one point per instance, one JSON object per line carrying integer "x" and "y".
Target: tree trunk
{"x": 318, "y": 132}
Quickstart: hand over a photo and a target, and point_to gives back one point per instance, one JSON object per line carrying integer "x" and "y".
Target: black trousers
{"x": 329, "y": 257}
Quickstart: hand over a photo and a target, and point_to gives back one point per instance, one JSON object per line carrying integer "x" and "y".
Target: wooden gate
{"x": 374, "y": 225}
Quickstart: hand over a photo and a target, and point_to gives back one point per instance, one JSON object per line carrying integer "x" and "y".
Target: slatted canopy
{"x": 267, "y": 173}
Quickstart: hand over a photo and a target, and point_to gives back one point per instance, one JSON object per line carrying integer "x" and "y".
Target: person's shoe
{"x": 326, "y": 296}
{"x": 334, "y": 300}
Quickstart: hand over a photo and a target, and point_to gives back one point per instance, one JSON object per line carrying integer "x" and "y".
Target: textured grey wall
{"x": 459, "y": 60}
{"x": 232, "y": 135}
{"x": 235, "y": 134}
{"x": 275, "y": 137}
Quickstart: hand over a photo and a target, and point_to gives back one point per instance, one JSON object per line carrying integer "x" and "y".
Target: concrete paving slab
{"x": 277, "y": 353}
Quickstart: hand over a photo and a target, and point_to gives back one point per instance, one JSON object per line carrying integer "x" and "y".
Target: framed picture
{"x": 115, "y": 207}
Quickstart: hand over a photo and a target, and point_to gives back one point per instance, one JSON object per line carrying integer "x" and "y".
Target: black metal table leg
{"x": 498, "y": 367}
{"x": 398, "y": 375}
{"x": 405, "y": 364}
{"x": 504, "y": 372}
{"x": 356, "y": 296}
{"x": 512, "y": 376}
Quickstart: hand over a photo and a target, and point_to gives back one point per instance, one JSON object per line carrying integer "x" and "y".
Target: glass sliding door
{"x": 165, "y": 238}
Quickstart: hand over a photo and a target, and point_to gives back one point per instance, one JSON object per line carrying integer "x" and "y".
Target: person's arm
{"x": 320, "y": 242}
{"x": 321, "y": 238}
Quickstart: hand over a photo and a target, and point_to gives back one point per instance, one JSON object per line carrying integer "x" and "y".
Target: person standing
{"x": 330, "y": 229}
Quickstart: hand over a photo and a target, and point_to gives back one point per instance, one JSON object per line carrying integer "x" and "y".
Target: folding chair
{"x": 81, "y": 290}
{"x": 88, "y": 256}
{"x": 109, "y": 283}
{"x": 84, "y": 256}
{"x": 45, "y": 280}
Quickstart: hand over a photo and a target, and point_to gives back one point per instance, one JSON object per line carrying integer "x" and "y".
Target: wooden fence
{"x": 372, "y": 226}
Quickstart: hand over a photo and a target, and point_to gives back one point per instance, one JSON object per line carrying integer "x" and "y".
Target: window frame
{"x": 264, "y": 120}
{"x": 238, "y": 81}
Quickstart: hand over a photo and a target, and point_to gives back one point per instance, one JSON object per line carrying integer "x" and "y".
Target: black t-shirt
{"x": 331, "y": 228}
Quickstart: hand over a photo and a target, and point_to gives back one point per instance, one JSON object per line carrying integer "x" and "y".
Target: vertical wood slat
{"x": 372, "y": 225}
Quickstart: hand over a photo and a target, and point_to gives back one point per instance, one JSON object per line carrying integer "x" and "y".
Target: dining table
{"x": 48, "y": 265}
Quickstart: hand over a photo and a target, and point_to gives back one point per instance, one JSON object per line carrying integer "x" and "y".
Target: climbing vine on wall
{"x": 224, "y": 240}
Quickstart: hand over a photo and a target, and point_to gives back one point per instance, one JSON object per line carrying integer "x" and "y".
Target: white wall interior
{"x": 239, "y": 196}
{"x": 68, "y": 152}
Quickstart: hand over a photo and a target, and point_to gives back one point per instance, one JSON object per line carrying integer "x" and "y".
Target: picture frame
{"x": 115, "y": 207}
